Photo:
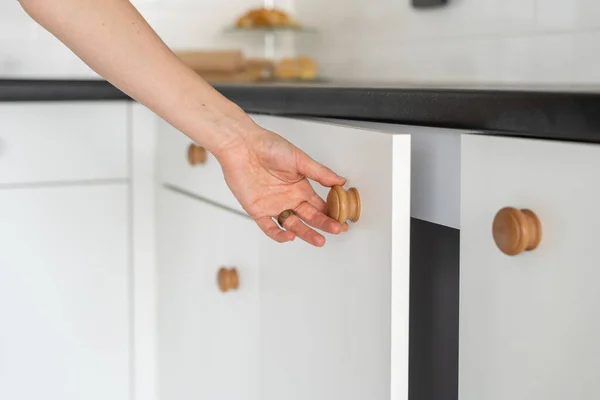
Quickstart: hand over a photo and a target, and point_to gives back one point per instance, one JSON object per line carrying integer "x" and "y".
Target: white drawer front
{"x": 208, "y": 345}
{"x": 528, "y": 323}
{"x": 205, "y": 180}
{"x": 334, "y": 320}
{"x": 72, "y": 141}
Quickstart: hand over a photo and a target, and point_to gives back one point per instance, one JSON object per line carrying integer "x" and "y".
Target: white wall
{"x": 505, "y": 41}
{"x": 27, "y": 50}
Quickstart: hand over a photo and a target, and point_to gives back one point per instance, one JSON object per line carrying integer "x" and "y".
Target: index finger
{"x": 317, "y": 219}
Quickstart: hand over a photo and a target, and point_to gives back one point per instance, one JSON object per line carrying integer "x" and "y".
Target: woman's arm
{"x": 266, "y": 173}
{"x": 115, "y": 40}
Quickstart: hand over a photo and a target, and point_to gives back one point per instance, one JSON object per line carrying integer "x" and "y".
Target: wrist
{"x": 220, "y": 128}
{"x": 213, "y": 121}
{"x": 231, "y": 132}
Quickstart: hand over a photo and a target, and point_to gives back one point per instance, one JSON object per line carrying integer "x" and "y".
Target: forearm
{"x": 115, "y": 41}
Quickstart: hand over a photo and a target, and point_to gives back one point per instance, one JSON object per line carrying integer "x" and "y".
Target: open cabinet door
{"x": 334, "y": 320}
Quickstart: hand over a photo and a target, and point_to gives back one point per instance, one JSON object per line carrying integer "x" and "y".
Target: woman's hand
{"x": 268, "y": 175}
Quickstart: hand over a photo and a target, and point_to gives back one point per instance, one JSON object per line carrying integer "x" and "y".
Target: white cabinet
{"x": 64, "y": 301}
{"x": 528, "y": 322}
{"x": 208, "y": 339}
{"x": 334, "y": 320}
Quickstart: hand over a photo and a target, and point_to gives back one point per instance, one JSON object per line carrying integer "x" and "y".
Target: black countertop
{"x": 21, "y": 90}
{"x": 560, "y": 113}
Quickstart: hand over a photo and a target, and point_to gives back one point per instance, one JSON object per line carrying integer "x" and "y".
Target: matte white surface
{"x": 62, "y": 141}
{"x": 143, "y": 230}
{"x": 208, "y": 340}
{"x": 466, "y": 41}
{"x": 205, "y": 180}
{"x": 435, "y": 189}
{"x": 435, "y": 169}
{"x": 334, "y": 320}
{"x": 528, "y": 324}
{"x": 400, "y": 267}
{"x": 64, "y": 284}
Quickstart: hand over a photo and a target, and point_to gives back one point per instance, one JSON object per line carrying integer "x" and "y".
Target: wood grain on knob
{"x": 228, "y": 279}
{"x": 516, "y": 231}
{"x": 343, "y": 205}
{"x": 196, "y": 154}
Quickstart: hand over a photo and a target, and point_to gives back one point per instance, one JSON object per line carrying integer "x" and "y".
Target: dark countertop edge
{"x": 25, "y": 90}
{"x": 569, "y": 116}
{"x": 550, "y": 115}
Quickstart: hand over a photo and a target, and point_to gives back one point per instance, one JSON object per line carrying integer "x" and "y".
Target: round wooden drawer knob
{"x": 516, "y": 231}
{"x": 196, "y": 154}
{"x": 343, "y": 205}
{"x": 228, "y": 279}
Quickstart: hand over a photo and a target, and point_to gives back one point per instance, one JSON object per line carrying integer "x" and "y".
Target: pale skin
{"x": 266, "y": 173}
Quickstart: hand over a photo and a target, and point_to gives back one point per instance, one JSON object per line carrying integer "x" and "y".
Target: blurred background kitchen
{"x": 466, "y": 41}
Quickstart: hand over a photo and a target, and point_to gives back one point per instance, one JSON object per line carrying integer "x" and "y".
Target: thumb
{"x": 317, "y": 172}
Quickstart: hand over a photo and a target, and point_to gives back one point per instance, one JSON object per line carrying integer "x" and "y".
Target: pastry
{"x": 296, "y": 68}
{"x": 265, "y": 17}
{"x": 307, "y": 68}
{"x": 286, "y": 69}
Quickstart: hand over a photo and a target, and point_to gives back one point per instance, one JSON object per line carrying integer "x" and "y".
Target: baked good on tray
{"x": 303, "y": 68}
{"x": 266, "y": 18}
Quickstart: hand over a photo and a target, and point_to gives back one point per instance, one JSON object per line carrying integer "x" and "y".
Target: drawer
{"x": 334, "y": 320}
{"x": 528, "y": 322}
{"x": 204, "y": 178}
{"x": 208, "y": 346}
{"x": 54, "y": 142}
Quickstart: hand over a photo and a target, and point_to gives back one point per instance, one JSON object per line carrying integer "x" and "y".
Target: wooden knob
{"x": 516, "y": 230}
{"x": 228, "y": 279}
{"x": 343, "y": 205}
{"x": 196, "y": 154}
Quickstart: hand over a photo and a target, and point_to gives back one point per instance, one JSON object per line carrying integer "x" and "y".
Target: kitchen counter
{"x": 560, "y": 113}
{"x": 437, "y": 273}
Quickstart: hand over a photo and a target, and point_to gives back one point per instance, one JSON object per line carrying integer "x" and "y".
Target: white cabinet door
{"x": 529, "y": 327}
{"x": 64, "y": 302}
{"x": 208, "y": 339}
{"x": 334, "y": 320}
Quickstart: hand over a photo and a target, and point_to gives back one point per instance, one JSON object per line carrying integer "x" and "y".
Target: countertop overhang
{"x": 559, "y": 113}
